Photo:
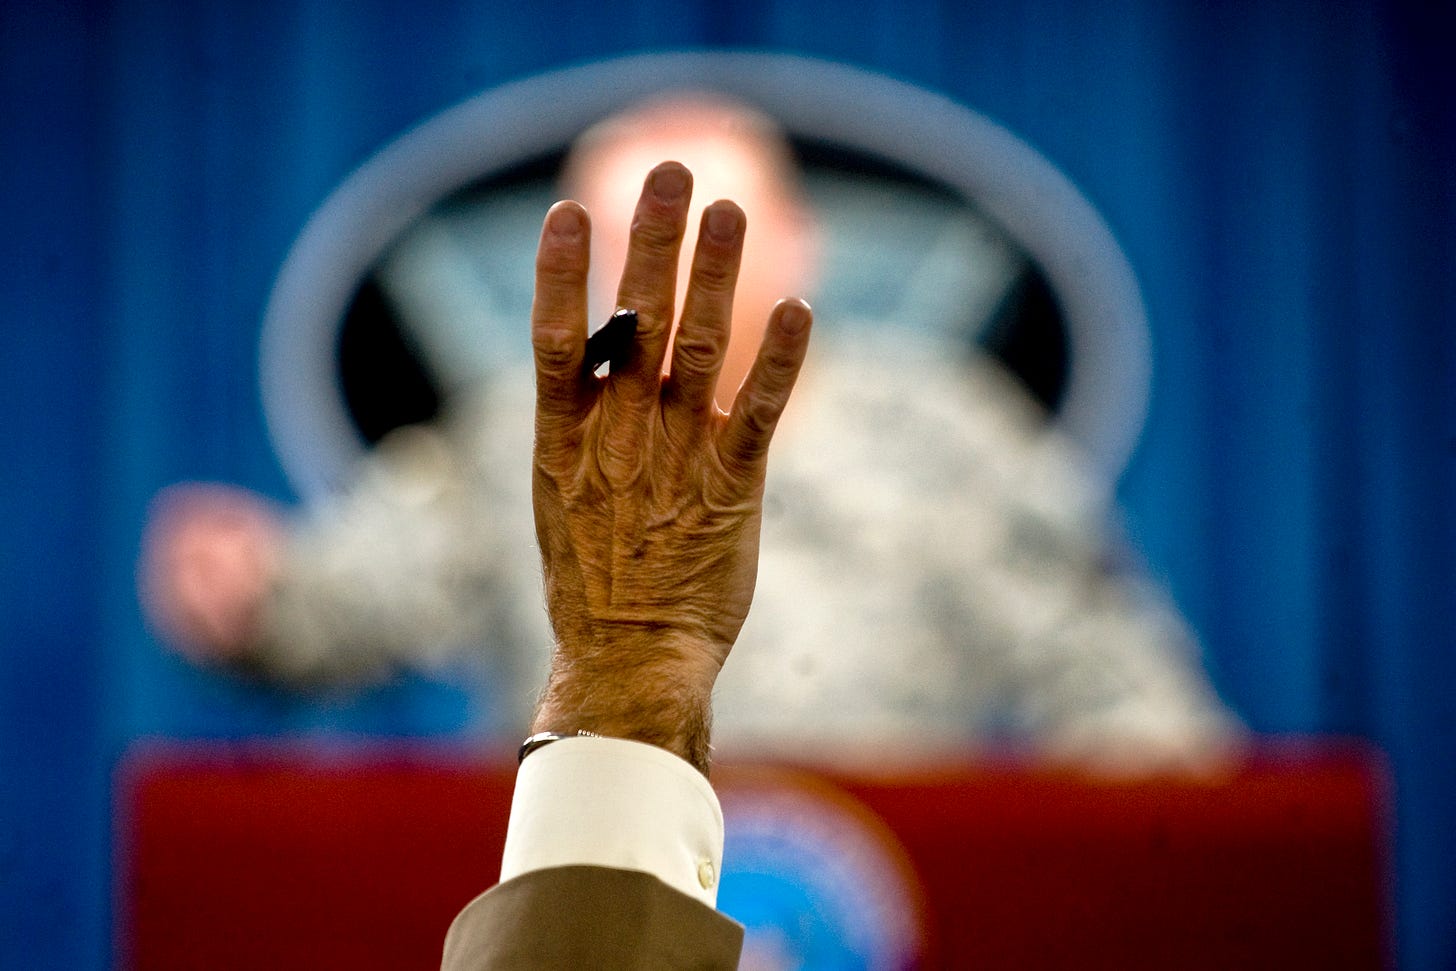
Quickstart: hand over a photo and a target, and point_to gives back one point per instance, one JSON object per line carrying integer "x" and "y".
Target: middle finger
{"x": 649, "y": 278}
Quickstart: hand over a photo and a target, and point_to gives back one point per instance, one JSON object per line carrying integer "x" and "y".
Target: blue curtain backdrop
{"x": 1282, "y": 176}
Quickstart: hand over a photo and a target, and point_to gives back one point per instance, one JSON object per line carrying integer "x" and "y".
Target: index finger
{"x": 558, "y": 316}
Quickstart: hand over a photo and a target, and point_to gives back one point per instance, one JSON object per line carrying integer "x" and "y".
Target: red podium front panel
{"x": 248, "y": 857}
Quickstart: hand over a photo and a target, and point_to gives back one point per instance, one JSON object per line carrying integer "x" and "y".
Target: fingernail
{"x": 565, "y": 221}
{"x": 669, "y": 182}
{"x": 794, "y": 317}
{"x": 722, "y": 222}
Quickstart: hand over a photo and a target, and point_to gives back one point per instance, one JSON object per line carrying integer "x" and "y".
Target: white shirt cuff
{"x": 615, "y": 803}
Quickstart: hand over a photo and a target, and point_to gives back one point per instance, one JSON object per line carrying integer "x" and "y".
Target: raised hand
{"x": 647, "y": 497}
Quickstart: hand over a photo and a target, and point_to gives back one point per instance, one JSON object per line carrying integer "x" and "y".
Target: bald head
{"x": 734, "y": 152}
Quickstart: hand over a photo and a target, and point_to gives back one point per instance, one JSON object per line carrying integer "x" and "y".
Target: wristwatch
{"x": 542, "y": 739}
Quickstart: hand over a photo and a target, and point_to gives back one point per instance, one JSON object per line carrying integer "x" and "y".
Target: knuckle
{"x": 696, "y": 353}
{"x": 655, "y": 234}
{"x": 555, "y": 350}
{"x": 760, "y": 413}
{"x": 713, "y": 276}
{"x": 654, "y": 316}
{"x": 738, "y": 465}
{"x": 552, "y": 275}
{"x": 780, "y": 364}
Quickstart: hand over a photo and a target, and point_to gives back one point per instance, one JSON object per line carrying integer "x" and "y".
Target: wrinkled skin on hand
{"x": 647, "y": 497}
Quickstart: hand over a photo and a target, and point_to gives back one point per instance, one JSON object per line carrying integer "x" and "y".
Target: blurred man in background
{"x": 935, "y": 568}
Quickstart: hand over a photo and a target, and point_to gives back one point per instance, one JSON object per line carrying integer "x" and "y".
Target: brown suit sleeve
{"x": 590, "y": 917}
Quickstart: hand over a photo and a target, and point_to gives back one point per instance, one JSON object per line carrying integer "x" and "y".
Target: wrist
{"x": 666, "y": 706}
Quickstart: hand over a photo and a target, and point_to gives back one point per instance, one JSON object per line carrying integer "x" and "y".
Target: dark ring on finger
{"x": 612, "y": 342}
